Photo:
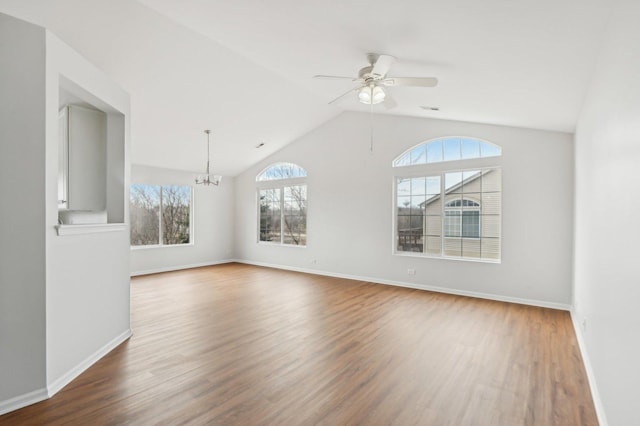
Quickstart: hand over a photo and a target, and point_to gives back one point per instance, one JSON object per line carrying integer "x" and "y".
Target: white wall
{"x": 87, "y": 308}
{"x": 213, "y": 224}
{"x": 350, "y": 209}
{"x": 607, "y": 276}
{"x": 22, "y": 213}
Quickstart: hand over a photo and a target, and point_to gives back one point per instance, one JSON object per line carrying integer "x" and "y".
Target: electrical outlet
{"x": 411, "y": 271}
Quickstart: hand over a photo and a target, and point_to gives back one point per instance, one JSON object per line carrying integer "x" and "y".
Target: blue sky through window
{"x": 447, "y": 149}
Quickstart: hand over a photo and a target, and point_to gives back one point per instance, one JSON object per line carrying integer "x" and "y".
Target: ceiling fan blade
{"x": 389, "y": 102}
{"x": 344, "y": 95}
{"x": 382, "y": 65}
{"x": 333, "y": 77}
{"x": 411, "y": 81}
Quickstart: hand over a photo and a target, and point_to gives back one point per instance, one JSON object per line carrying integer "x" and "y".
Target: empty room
{"x": 337, "y": 213}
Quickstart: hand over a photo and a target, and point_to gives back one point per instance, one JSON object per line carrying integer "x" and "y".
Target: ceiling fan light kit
{"x": 371, "y": 95}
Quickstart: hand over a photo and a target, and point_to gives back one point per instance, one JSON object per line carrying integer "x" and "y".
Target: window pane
{"x": 490, "y": 226}
{"x": 492, "y": 180}
{"x": 293, "y": 229}
{"x": 282, "y": 171}
{"x": 470, "y": 148}
{"x": 451, "y": 149}
{"x": 471, "y": 181}
{"x": 404, "y": 204}
{"x": 419, "y": 154}
{"x": 489, "y": 150}
{"x": 434, "y": 245}
{"x": 452, "y": 223}
{"x": 295, "y": 215}
{"x": 434, "y": 151}
{"x": 405, "y": 160}
{"x": 417, "y": 204}
{"x": 471, "y": 248}
{"x": 490, "y": 248}
{"x": 453, "y": 247}
{"x": 491, "y": 203}
{"x": 269, "y": 215}
{"x": 433, "y": 185}
{"x": 403, "y": 187}
{"x": 433, "y": 205}
{"x": 295, "y": 199}
{"x": 403, "y": 223}
{"x": 144, "y": 210}
{"x": 452, "y": 182}
{"x": 410, "y": 242}
{"x": 470, "y": 224}
{"x": 433, "y": 225}
{"x": 418, "y": 186}
{"x": 176, "y": 203}
{"x": 417, "y": 223}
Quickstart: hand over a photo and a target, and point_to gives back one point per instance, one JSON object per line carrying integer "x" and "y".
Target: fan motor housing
{"x": 365, "y": 73}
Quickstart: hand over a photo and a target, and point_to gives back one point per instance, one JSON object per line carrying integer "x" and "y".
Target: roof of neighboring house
{"x": 456, "y": 186}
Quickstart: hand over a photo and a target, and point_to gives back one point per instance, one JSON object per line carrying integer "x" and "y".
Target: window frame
{"x": 280, "y": 185}
{"x": 440, "y": 168}
{"x": 160, "y": 230}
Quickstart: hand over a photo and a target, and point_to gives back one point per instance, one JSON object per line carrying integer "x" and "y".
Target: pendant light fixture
{"x": 208, "y": 179}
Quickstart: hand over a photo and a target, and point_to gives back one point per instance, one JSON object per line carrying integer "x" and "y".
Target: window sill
{"x": 160, "y": 246}
{"x": 67, "y": 230}
{"x": 459, "y": 259}
{"x": 272, "y": 244}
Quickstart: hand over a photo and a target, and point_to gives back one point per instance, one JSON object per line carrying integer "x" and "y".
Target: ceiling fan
{"x": 373, "y": 78}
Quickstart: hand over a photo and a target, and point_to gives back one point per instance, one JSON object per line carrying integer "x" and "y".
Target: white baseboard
{"x": 539, "y": 303}
{"x": 42, "y": 394}
{"x": 179, "y": 267}
{"x": 597, "y": 402}
{"x": 22, "y": 401}
{"x": 66, "y": 378}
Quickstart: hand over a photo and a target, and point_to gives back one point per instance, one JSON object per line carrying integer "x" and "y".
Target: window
{"x": 447, "y": 149}
{"x": 453, "y": 214}
{"x": 281, "y": 171}
{"x": 282, "y": 204}
{"x": 160, "y": 215}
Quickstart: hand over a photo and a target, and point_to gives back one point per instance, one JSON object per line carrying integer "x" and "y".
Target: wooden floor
{"x": 244, "y": 345}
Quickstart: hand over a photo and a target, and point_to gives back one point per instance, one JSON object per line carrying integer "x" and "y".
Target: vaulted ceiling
{"x": 243, "y": 68}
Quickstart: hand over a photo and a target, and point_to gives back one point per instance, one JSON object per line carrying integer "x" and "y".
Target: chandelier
{"x": 207, "y": 178}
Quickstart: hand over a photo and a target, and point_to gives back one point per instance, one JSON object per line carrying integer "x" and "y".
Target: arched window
{"x": 282, "y": 205}
{"x": 281, "y": 171}
{"x": 447, "y": 149}
{"x": 455, "y": 213}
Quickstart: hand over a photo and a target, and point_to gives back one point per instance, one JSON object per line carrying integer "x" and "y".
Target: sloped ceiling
{"x": 243, "y": 68}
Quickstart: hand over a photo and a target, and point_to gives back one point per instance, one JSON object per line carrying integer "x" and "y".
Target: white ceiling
{"x": 243, "y": 68}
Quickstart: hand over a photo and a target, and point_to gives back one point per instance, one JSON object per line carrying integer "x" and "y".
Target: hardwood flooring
{"x": 245, "y": 345}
